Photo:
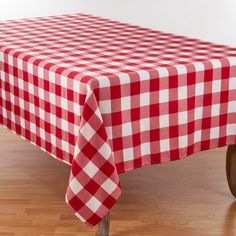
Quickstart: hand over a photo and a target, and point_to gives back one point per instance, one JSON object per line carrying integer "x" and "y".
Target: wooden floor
{"x": 183, "y": 198}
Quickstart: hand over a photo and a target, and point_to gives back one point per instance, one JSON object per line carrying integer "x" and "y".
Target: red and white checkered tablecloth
{"x": 107, "y": 97}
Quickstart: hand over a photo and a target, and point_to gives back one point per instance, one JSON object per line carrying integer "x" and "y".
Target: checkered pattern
{"x": 107, "y": 97}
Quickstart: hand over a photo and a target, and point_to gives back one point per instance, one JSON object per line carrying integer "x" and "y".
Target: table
{"x": 107, "y": 97}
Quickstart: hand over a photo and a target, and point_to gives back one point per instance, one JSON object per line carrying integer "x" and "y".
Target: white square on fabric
{"x": 42, "y": 133}
{"x": 144, "y": 99}
{"x": 22, "y": 103}
{"x": 93, "y": 204}
{"x": 30, "y": 68}
{"x": 63, "y": 81}
{"x": 75, "y": 186}
{"x": 214, "y": 133}
{"x": 126, "y": 129}
{"x": 41, "y": 93}
{"x": 76, "y": 85}
{"x": 124, "y": 78}
{"x": 32, "y": 128}
{"x": 20, "y": 64}
{"x": 163, "y": 72}
{"x": 1, "y": 55}
{"x": 109, "y": 131}
{"x": 64, "y": 125}
{"x": 87, "y": 131}
{"x": 198, "y": 113}
{"x": 105, "y": 107}
{"x": 31, "y": 88}
{"x": 128, "y": 154}
{"x": 2, "y": 75}
{"x": 64, "y": 103}
{"x": 182, "y": 92}
{"x": 40, "y": 72}
{"x": 90, "y": 169}
{"x": 12, "y": 98}
{"x": 52, "y": 98}
{"x": 145, "y": 149}
{"x": 199, "y": 89}
{"x": 183, "y": 141}
{"x": 144, "y": 124}
{"x": 164, "y": 145}
{"x": 109, "y": 186}
{"x": 11, "y": 79}
{"x": 22, "y": 122}
{"x": 231, "y": 129}
{"x": 215, "y": 110}
{"x": 182, "y": 117}
{"x": 53, "y": 139}
{"x": 144, "y": 75}
{"x": 125, "y": 103}
{"x": 13, "y": 117}
{"x": 216, "y": 86}
{"x": 4, "y": 112}
{"x": 197, "y": 136}
{"x": 41, "y": 113}
{"x": 232, "y": 61}
{"x": 21, "y": 84}
{"x": 10, "y": 60}
{"x": 51, "y": 76}
{"x": 53, "y": 119}
{"x": 163, "y": 95}
{"x": 181, "y": 69}
{"x": 232, "y": 107}
{"x": 3, "y": 94}
{"x": 199, "y": 66}
{"x": 164, "y": 121}
{"x": 105, "y": 151}
{"x": 216, "y": 63}
{"x": 232, "y": 83}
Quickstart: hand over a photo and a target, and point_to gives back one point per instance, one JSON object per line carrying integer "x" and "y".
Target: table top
{"x": 107, "y": 97}
{"x": 94, "y": 46}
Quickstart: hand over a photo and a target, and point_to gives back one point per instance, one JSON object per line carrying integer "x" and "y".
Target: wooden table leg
{"x": 231, "y": 168}
{"x": 104, "y": 226}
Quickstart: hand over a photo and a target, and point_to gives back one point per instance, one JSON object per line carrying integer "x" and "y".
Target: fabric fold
{"x": 94, "y": 184}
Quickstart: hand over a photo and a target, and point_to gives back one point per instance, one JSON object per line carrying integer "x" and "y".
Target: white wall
{"x": 213, "y": 20}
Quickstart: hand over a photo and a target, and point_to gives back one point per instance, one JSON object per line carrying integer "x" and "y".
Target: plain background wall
{"x": 212, "y": 20}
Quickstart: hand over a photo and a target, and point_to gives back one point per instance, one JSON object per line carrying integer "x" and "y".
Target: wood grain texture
{"x": 182, "y": 198}
{"x": 231, "y": 168}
